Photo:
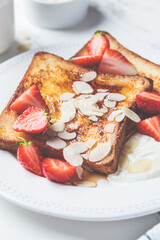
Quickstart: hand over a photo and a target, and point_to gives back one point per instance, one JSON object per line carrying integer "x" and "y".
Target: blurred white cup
{"x": 6, "y": 24}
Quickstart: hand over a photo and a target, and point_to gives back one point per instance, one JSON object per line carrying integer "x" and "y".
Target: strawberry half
{"x": 150, "y": 127}
{"x": 30, "y": 157}
{"x": 32, "y": 120}
{"x": 87, "y": 61}
{"x": 31, "y": 97}
{"x": 149, "y": 102}
{"x": 57, "y": 171}
{"x": 98, "y": 44}
{"x": 114, "y": 62}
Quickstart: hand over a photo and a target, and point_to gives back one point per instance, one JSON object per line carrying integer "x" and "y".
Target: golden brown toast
{"x": 144, "y": 67}
{"x": 55, "y": 76}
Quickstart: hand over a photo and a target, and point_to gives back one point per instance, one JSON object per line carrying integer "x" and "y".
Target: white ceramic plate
{"x": 105, "y": 203}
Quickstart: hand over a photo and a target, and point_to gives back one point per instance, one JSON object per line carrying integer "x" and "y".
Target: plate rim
{"x": 19, "y": 201}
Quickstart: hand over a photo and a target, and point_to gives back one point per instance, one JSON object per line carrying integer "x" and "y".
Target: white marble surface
{"x": 128, "y": 21}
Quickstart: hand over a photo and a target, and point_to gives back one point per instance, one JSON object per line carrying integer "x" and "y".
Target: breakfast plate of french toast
{"x": 80, "y": 130}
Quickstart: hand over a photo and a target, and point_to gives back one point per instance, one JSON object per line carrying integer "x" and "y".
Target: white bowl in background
{"x": 6, "y": 24}
{"x": 55, "y": 15}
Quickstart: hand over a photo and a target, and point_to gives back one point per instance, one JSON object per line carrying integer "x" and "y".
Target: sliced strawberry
{"x": 98, "y": 44}
{"x": 114, "y": 62}
{"x": 31, "y": 97}
{"x": 87, "y": 61}
{"x": 29, "y": 155}
{"x": 150, "y": 127}
{"x": 32, "y": 120}
{"x": 57, "y": 170}
{"x": 149, "y": 102}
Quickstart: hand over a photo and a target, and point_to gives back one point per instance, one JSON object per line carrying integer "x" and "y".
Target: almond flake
{"x": 87, "y": 184}
{"x": 90, "y": 143}
{"x": 131, "y": 115}
{"x": 82, "y": 87}
{"x": 58, "y": 126}
{"x": 140, "y": 166}
{"x": 116, "y": 97}
{"x": 114, "y": 114}
{"x": 109, "y": 104}
{"x": 68, "y": 115}
{"x": 93, "y": 118}
{"x": 109, "y": 127}
{"x": 66, "y": 96}
{"x": 73, "y": 126}
{"x": 100, "y": 96}
{"x": 102, "y": 90}
{"x": 100, "y": 152}
{"x": 123, "y": 161}
{"x": 120, "y": 117}
{"x": 72, "y": 157}
{"x": 79, "y": 171}
{"x": 89, "y": 76}
{"x": 56, "y": 143}
{"x": 79, "y": 147}
{"x": 50, "y": 132}
{"x": 85, "y": 156}
{"x": 66, "y": 135}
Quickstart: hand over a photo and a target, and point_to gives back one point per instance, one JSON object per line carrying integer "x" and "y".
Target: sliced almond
{"x": 131, "y": 115}
{"x": 67, "y": 135}
{"x": 120, "y": 117}
{"x": 100, "y": 96}
{"x": 109, "y": 104}
{"x": 58, "y": 126}
{"x": 72, "y": 157}
{"x": 116, "y": 97}
{"x": 24, "y": 47}
{"x": 90, "y": 143}
{"x": 89, "y": 76}
{"x": 109, "y": 127}
{"x": 82, "y": 87}
{"x": 68, "y": 112}
{"x": 114, "y": 114}
{"x": 100, "y": 152}
{"x": 67, "y": 96}
{"x": 79, "y": 147}
{"x": 85, "y": 156}
{"x": 102, "y": 90}
{"x": 131, "y": 145}
{"x": 73, "y": 126}
{"x": 50, "y": 132}
{"x": 56, "y": 143}
{"x": 87, "y": 184}
{"x": 93, "y": 118}
{"x": 123, "y": 161}
{"x": 140, "y": 166}
{"x": 79, "y": 171}
{"x": 67, "y": 116}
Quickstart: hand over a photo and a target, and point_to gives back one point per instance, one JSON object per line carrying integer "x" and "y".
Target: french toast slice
{"x": 143, "y": 66}
{"x": 55, "y": 76}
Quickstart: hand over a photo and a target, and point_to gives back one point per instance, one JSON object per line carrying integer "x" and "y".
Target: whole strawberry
{"x": 30, "y": 157}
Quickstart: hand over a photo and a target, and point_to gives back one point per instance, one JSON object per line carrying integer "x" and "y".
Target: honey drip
{"x": 88, "y": 177}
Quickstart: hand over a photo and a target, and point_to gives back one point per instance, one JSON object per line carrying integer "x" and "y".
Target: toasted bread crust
{"x": 144, "y": 67}
{"x": 59, "y": 74}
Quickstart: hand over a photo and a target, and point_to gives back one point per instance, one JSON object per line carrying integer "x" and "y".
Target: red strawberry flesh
{"x": 97, "y": 44}
{"x": 87, "y": 61}
{"x": 115, "y": 63}
{"x": 31, "y": 97}
{"x": 30, "y": 157}
{"x": 149, "y": 102}
{"x": 150, "y": 127}
{"x": 57, "y": 170}
{"x": 32, "y": 120}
